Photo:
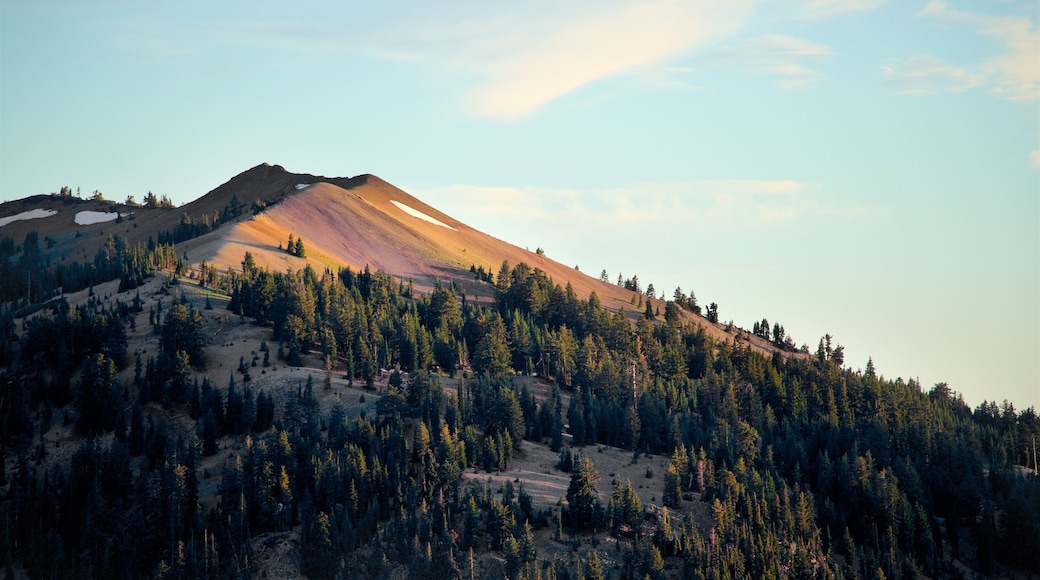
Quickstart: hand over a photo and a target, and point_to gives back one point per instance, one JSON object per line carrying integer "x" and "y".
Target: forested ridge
{"x": 37, "y": 270}
{"x": 803, "y": 466}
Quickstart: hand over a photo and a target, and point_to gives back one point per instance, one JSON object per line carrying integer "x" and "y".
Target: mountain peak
{"x": 264, "y": 171}
{"x": 264, "y": 182}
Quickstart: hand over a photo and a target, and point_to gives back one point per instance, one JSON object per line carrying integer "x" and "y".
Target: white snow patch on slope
{"x": 27, "y": 215}
{"x": 302, "y": 186}
{"x": 418, "y": 214}
{"x": 86, "y": 218}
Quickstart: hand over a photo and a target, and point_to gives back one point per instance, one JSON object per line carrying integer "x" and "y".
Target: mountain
{"x": 363, "y": 221}
{"x": 344, "y": 221}
{"x": 141, "y": 221}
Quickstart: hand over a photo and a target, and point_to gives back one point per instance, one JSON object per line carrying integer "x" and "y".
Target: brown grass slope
{"x": 360, "y": 225}
{"x": 354, "y": 222}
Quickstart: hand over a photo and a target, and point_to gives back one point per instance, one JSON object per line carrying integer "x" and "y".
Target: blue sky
{"x": 866, "y": 168}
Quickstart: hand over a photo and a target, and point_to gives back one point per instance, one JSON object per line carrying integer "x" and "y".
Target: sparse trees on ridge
{"x": 713, "y": 313}
{"x": 295, "y": 247}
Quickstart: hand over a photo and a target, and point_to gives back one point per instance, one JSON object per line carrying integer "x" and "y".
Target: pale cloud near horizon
{"x": 1013, "y": 75}
{"x": 707, "y": 203}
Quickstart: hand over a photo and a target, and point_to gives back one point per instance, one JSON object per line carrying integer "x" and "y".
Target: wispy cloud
{"x": 517, "y": 58}
{"x": 831, "y": 8}
{"x": 1035, "y": 157}
{"x": 1013, "y": 75}
{"x": 704, "y": 204}
{"x": 927, "y": 75}
{"x": 784, "y": 57}
{"x": 527, "y": 60}
{"x": 670, "y": 77}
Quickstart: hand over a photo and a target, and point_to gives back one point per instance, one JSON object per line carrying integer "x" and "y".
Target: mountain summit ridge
{"x": 361, "y": 221}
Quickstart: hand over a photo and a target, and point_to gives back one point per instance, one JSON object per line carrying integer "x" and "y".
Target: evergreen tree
{"x": 492, "y": 353}
{"x": 182, "y": 330}
{"x": 593, "y": 567}
{"x": 556, "y": 427}
{"x": 583, "y": 505}
{"x": 672, "y": 495}
{"x": 625, "y": 509}
{"x": 97, "y": 397}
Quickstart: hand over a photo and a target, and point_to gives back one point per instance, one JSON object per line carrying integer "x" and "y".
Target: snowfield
{"x": 418, "y": 214}
{"x": 300, "y": 186}
{"x": 27, "y": 215}
{"x": 86, "y": 218}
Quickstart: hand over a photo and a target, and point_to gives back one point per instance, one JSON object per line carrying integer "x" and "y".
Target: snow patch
{"x": 27, "y": 215}
{"x": 418, "y": 214}
{"x": 86, "y": 218}
{"x": 300, "y": 186}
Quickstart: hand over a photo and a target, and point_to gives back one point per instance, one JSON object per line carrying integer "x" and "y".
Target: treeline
{"x": 28, "y": 276}
{"x": 808, "y": 468}
{"x": 191, "y": 227}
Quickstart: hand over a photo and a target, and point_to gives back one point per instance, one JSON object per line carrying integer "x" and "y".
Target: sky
{"x": 864, "y": 168}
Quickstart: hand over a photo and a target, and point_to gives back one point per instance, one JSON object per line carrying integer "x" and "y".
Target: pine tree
{"x": 183, "y": 330}
{"x": 556, "y": 428}
{"x": 583, "y": 505}
{"x": 492, "y": 353}
{"x": 713, "y": 313}
{"x": 137, "y": 430}
{"x": 318, "y": 549}
{"x": 672, "y": 495}
{"x": 97, "y": 397}
{"x": 625, "y": 509}
{"x": 233, "y": 409}
{"x": 593, "y": 568}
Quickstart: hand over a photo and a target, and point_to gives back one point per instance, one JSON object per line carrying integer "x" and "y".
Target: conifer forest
{"x": 787, "y": 464}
